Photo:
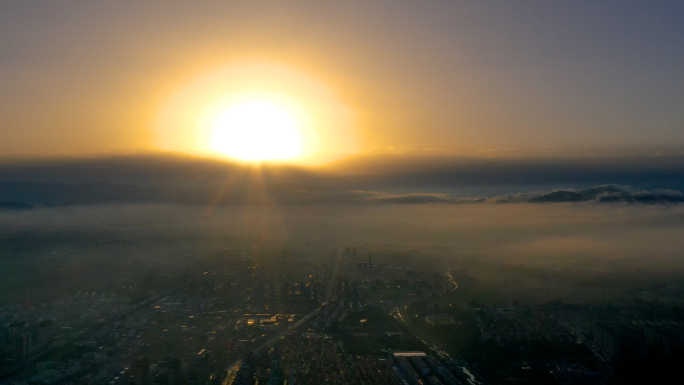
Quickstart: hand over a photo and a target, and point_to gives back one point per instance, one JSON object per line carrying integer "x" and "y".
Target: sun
{"x": 256, "y": 131}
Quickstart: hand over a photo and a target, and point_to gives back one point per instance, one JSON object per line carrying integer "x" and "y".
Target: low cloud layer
{"x": 518, "y": 233}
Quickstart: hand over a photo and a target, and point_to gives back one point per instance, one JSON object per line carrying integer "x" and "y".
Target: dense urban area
{"x": 229, "y": 310}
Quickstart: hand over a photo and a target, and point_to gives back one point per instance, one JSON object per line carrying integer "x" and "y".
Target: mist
{"x": 513, "y": 232}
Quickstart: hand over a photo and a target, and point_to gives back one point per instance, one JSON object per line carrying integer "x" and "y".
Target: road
{"x": 462, "y": 364}
{"x": 336, "y": 274}
{"x": 451, "y": 280}
{"x": 230, "y": 372}
{"x": 587, "y": 342}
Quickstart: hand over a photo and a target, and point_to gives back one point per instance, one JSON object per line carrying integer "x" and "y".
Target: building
{"x": 607, "y": 339}
{"x": 141, "y": 371}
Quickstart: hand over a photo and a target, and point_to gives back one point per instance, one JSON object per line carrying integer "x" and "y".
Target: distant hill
{"x": 601, "y": 190}
{"x": 559, "y": 196}
{"x": 26, "y": 195}
{"x": 60, "y": 193}
{"x": 656, "y": 198}
{"x": 594, "y": 193}
{"x": 14, "y": 206}
{"x": 610, "y": 193}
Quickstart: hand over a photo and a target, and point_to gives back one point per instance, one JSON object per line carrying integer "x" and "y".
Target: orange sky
{"x": 123, "y": 77}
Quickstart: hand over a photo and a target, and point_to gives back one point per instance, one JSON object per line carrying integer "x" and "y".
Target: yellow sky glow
{"x": 223, "y": 113}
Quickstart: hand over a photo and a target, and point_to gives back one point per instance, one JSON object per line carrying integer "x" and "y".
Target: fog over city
{"x": 381, "y": 192}
{"x": 517, "y": 232}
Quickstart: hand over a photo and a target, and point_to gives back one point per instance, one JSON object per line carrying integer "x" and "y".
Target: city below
{"x": 253, "y": 311}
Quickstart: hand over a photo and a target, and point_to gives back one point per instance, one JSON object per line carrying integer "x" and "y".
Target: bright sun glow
{"x": 256, "y": 131}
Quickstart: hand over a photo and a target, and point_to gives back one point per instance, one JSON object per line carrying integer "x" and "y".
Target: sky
{"x": 493, "y": 77}
{"x": 428, "y": 123}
